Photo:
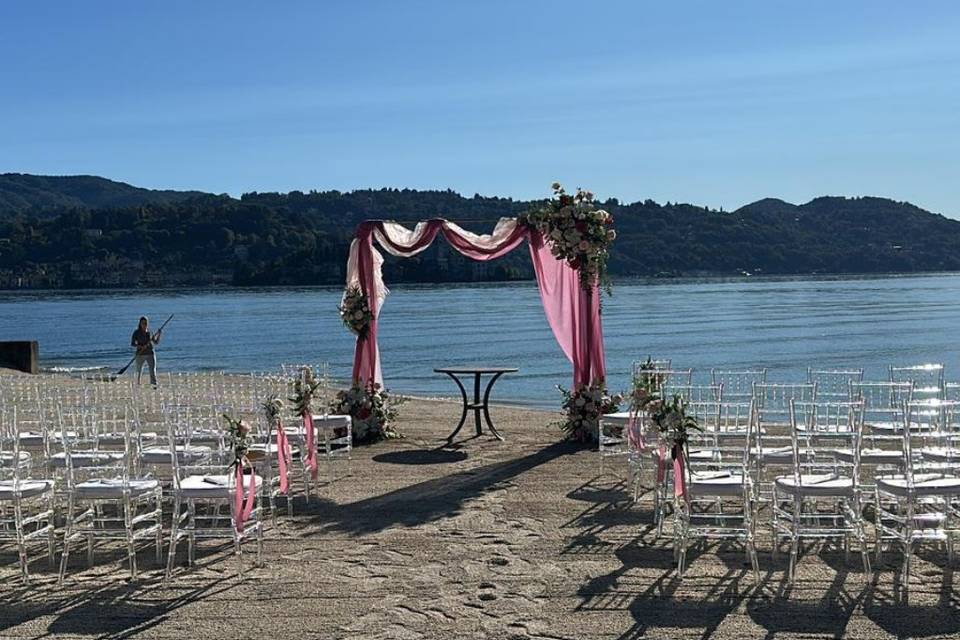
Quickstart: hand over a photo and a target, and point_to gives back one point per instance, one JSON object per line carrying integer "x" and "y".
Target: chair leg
{"x": 21, "y": 542}
{"x": 131, "y": 543}
{"x": 174, "y": 535}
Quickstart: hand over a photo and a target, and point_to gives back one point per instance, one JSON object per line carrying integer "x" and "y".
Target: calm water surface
{"x": 784, "y": 325}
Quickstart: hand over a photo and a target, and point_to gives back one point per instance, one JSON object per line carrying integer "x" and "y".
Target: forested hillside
{"x": 302, "y": 238}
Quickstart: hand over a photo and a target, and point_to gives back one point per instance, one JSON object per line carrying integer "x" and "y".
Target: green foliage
{"x": 131, "y": 237}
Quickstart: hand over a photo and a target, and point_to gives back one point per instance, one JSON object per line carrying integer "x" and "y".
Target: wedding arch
{"x": 570, "y": 300}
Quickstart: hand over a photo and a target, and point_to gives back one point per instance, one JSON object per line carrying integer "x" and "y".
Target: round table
{"x": 478, "y": 405}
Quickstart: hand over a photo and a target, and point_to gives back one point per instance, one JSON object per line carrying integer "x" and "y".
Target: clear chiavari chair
{"x": 820, "y": 499}
{"x": 833, "y": 385}
{"x": 718, "y": 499}
{"x": 27, "y": 503}
{"x": 208, "y": 505}
{"x": 703, "y": 449}
{"x": 920, "y": 505}
{"x": 738, "y": 384}
{"x": 107, "y": 499}
{"x": 927, "y": 379}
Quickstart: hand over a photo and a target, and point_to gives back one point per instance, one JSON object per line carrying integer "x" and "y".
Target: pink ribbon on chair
{"x": 243, "y": 507}
{"x": 311, "y": 445}
{"x": 284, "y": 457}
{"x": 679, "y": 476}
{"x": 661, "y": 463}
{"x": 634, "y": 433}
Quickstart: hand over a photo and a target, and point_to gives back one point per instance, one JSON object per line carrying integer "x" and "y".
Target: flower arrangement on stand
{"x": 578, "y": 232}
{"x": 584, "y": 407}
{"x": 355, "y": 311}
{"x": 373, "y": 411}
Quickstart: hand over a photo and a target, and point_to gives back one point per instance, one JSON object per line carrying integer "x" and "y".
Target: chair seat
{"x": 715, "y": 483}
{"x": 6, "y": 458}
{"x": 332, "y": 421}
{"x": 86, "y": 458}
{"x": 941, "y": 454}
{"x": 213, "y": 487}
{"x": 118, "y": 439}
{"x": 816, "y": 484}
{"x": 34, "y": 439}
{"x": 695, "y": 455}
{"x": 870, "y": 456}
{"x": 258, "y": 452}
{"x": 112, "y": 488}
{"x": 783, "y": 455}
{"x": 28, "y": 488}
{"x": 924, "y": 484}
{"x": 185, "y": 454}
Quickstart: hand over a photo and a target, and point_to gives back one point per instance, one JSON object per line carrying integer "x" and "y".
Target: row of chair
{"x": 99, "y": 461}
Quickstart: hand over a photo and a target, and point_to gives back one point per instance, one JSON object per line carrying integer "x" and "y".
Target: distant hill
{"x": 161, "y": 238}
{"x": 25, "y": 193}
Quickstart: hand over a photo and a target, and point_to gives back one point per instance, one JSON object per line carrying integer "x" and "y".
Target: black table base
{"x": 478, "y": 405}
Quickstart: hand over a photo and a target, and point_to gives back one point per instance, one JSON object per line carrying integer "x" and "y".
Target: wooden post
{"x": 22, "y": 355}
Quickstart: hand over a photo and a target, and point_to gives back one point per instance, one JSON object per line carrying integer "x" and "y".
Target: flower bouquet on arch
{"x": 355, "y": 311}
{"x": 372, "y": 409}
{"x": 584, "y": 406}
{"x": 577, "y": 232}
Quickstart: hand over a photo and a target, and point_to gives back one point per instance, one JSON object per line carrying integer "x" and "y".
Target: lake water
{"x": 784, "y": 325}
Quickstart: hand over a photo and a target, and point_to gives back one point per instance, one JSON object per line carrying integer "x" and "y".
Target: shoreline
{"x": 708, "y": 276}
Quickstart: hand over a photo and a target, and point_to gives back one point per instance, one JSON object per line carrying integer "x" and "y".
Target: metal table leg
{"x": 463, "y": 416}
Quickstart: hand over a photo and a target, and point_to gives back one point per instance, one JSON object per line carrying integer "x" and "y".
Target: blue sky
{"x": 714, "y": 103}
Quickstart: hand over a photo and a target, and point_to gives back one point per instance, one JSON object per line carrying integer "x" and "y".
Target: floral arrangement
{"x": 304, "y": 386}
{"x": 272, "y": 408}
{"x": 648, "y": 384}
{"x": 373, "y": 410}
{"x": 238, "y": 433}
{"x": 669, "y": 417}
{"x": 672, "y": 423}
{"x": 355, "y": 311}
{"x": 577, "y": 232}
{"x": 584, "y": 406}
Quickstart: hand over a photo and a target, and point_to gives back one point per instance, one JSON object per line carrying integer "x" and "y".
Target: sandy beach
{"x": 482, "y": 539}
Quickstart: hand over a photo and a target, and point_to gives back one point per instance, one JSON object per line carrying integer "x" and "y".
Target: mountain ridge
{"x": 297, "y": 238}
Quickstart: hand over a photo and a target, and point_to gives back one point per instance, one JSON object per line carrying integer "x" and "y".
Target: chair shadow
{"x": 114, "y": 611}
{"x": 426, "y": 501}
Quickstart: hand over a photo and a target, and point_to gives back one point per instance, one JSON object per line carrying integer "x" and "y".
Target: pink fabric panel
{"x": 572, "y": 312}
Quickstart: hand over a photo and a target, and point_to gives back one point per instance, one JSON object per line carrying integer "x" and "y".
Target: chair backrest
{"x": 822, "y": 428}
{"x": 656, "y": 363}
{"x": 834, "y": 384}
{"x": 738, "y": 384}
{"x": 695, "y": 392}
{"x": 773, "y": 400}
{"x": 927, "y": 379}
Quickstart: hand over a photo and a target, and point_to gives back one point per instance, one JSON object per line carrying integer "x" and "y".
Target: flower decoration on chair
{"x": 648, "y": 385}
{"x": 673, "y": 424}
{"x": 355, "y": 311}
{"x": 304, "y": 387}
{"x": 578, "y": 232}
{"x": 584, "y": 407}
{"x": 238, "y": 433}
{"x": 372, "y": 409}
{"x": 272, "y": 408}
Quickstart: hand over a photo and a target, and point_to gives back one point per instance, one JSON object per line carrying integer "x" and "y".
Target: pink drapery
{"x": 572, "y": 312}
